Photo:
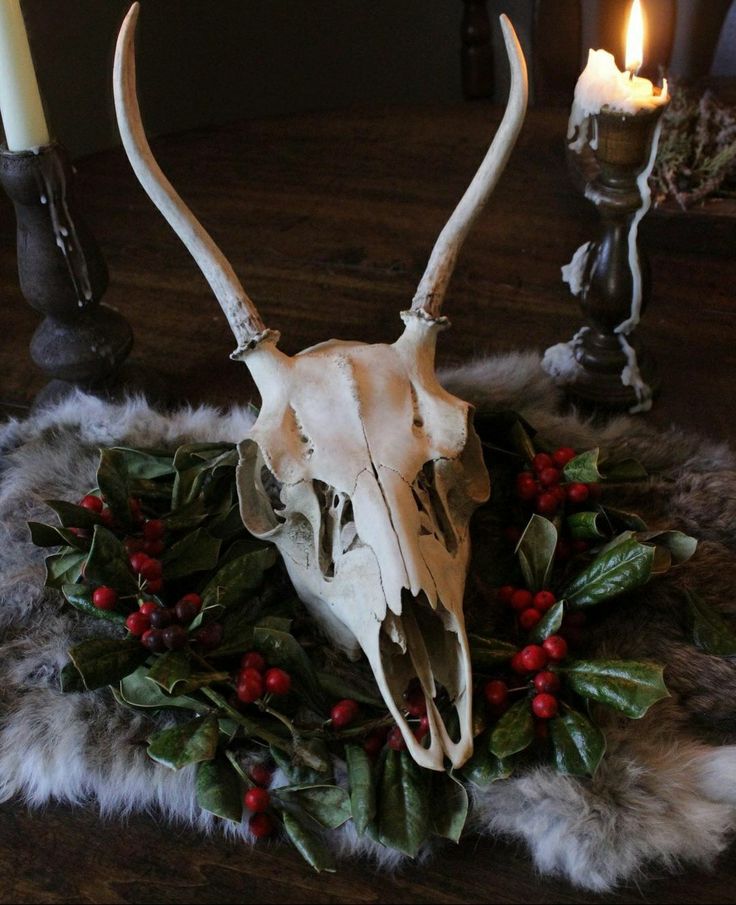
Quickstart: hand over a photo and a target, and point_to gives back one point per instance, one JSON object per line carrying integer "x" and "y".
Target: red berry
{"x": 544, "y": 600}
{"x": 547, "y": 503}
{"x": 524, "y": 477}
{"x": 151, "y": 569}
{"x": 527, "y": 491}
{"x": 277, "y": 681}
{"x": 549, "y": 477}
{"x": 542, "y": 461}
{"x": 194, "y": 599}
{"x": 138, "y": 561}
{"x": 210, "y": 635}
{"x": 261, "y": 825}
{"x": 91, "y": 502}
{"x": 547, "y": 682}
{"x": 560, "y": 492}
{"x": 506, "y": 593}
{"x": 175, "y": 637}
{"x": 555, "y": 647}
{"x": 148, "y": 608}
{"x": 533, "y": 657}
{"x": 106, "y": 517}
{"x": 496, "y": 692}
{"x": 105, "y": 598}
{"x": 344, "y": 713}
{"x": 374, "y": 741}
{"x": 517, "y": 665}
{"x": 154, "y": 529}
{"x": 578, "y": 493}
{"x": 422, "y": 729}
{"x": 529, "y": 618}
{"x": 154, "y": 586}
{"x": 257, "y": 800}
{"x": 544, "y": 706}
{"x": 250, "y": 686}
{"x": 153, "y": 639}
{"x": 261, "y": 775}
{"x": 153, "y": 547}
{"x": 137, "y": 623}
{"x": 186, "y": 611}
{"x": 521, "y": 599}
{"x": 161, "y": 617}
{"x": 253, "y": 660}
{"x": 395, "y": 740}
{"x": 563, "y": 455}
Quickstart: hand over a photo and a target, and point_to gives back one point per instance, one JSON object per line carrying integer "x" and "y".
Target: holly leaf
{"x": 485, "y": 653}
{"x": 618, "y": 568}
{"x": 51, "y": 536}
{"x": 112, "y": 479}
{"x": 549, "y": 624}
{"x": 514, "y": 732}
{"x": 70, "y": 680}
{"x": 137, "y": 690}
{"x": 218, "y": 790}
{"x": 80, "y": 597}
{"x": 309, "y": 845}
{"x": 536, "y": 552}
{"x": 142, "y": 465}
{"x": 62, "y": 568}
{"x": 296, "y": 768}
{"x": 362, "y": 787}
{"x": 620, "y": 519}
{"x": 583, "y": 469}
{"x": 449, "y": 806}
{"x": 105, "y": 661}
{"x": 197, "y": 551}
{"x": 283, "y": 650}
{"x": 329, "y": 805}
{"x": 623, "y": 471}
{"x": 107, "y": 563}
{"x": 626, "y": 685}
{"x": 680, "y": 546}
{"x": 73, "y": 516}
{"x": 484, "y": 768}
{"x": 234, "y": 581}
{"x": 577, "y": 745}
{"x": 710, "y": 631}
{"x": 339, "y": 688}
{"x": 403, "y": 804}
{"x": 587, "y": 525}
{"x": 170, "y": 669}
{"x": 187, "y": 743}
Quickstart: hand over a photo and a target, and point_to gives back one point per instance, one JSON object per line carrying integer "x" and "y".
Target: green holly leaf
{"x": 105, "y": 661}
{"x": 549, "y": 624}
{"x": 485, "y": 653}
{"x": 484, "y": 768}
{"x": 315, "y": 770}
{"x": 218, "y": 789}
{"x": 70, "y": 680}
{"x": 329, "y": 805}
{"x": 51, "y": 536}
{"x": 536, "y": 552}
{"x": 577, "y": 745}
{"x": 238, "y": 578}
{"x": 308, "y": 844}
{"x": 338, "y": 688}
{"x": 80, "y": 597}
{"x": 197, "y": 551}
{"x": 618, "y": 568}
{"x": 450, "y": 805}
{"x": 622, "y": 520}
{"x": 187, "y": 743}
{"x": 403, "y": 804}
{"x": 710, "y": 631}
{"x": 587, "y": 525}
{"x": 107, "y": 563}
{"x": 65, "y": 567}
{"x": 73, "y": 516}
{"x": 680, "y": 546}
{"x": 112, "y": 479}
{"x": 624, "y": 471}
{"x": 283, "y": 650}
{"x": 194, "y": 464}
{"x": 583, "y": 469}
{"x": 142, "y": 465}
{"x": 514, "y": 732}
{"x": 627, "y": 685}
{"x": 170, "y": 669}
{"x": 137, "y": 690}
{"x": 362, "y": 787}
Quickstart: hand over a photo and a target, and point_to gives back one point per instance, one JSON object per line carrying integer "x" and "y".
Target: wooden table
{"x": 329, "y": 219}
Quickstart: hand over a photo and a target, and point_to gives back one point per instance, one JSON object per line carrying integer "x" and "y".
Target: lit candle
{"x": 20, "y": 101}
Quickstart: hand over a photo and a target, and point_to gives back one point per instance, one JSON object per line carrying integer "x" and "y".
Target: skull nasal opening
{"x": 338, "y": 534}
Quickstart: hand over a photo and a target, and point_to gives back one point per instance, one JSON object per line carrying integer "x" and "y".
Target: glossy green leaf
{"x": 112, "y": 479}
{"x": 308, "y": 844}
{"x": 238, "y": 578}
{"x": 549, "y": 624}
{"x": 627, "y": 685}
{"x": 403, "y": 804}
{"x": 283, "y": 650}
{"x": 329, "y": 805}
{"x": 139, "y": 463}
{"x": 622, "y": 520}
{"x": 710, "y": 631}
{"x": 170, "y": 669}
{"x": 484, "y": 768}
{"x": 485, "y": 653}
{"x": 577, "y": 745}
{"x": 64, "y": 568}
{"x": 187, "y": 743}
{"x": 105, "y": 661}
{"x": 194, "y": 463}
{"x": 680, "y": 545}
{"x": 337, "y": 688}
{"x": 587, "y": 525}
{"x": 138, "y": 690}
{"x": 80, "y": 597}
{"x": 583, "y": 469}
{"x": 450, "y": 804}
{"x": 107, "y": 563}
{"x": 623, "y": 471}
{"x": 219, "y": 790}
{"x": 617, "y": 569}
{"x": 195, "y": 552}
{"x": 536, "y": 552}
{"x": 51, "y": 536}
{"x": 70, "y": 680}
{"x": 362, "y": 785}
{"x": 73, "y": 516}
{"x": 514, "y": 731}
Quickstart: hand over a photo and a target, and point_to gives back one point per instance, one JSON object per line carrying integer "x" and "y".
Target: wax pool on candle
{"x": 20, "y": 101}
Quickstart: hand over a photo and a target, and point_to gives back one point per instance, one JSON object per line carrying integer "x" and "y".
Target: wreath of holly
{"x": 203, "y": 624}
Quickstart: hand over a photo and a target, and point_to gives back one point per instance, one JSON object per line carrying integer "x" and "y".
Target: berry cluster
{"x": 529, "y": 607}
{"x": 532, "y": 663}
{"x": 258, "y": 800}
{"x": 255, "y": 679}
{"x": 544, "y": 486}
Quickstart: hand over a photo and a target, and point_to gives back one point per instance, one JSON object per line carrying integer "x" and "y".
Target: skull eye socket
{"x": 434, "y": 517}
{"x": 338, "y": 534}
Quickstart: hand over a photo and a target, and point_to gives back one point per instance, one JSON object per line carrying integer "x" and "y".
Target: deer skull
{"x": 361, "y": 468}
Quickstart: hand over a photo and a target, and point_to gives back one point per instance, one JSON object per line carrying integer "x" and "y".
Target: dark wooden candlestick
{"x": 62, "y": 274}
{"x": 604, "y": 364}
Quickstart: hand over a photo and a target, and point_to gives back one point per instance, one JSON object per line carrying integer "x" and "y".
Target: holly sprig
{"x": 200, "y": 626}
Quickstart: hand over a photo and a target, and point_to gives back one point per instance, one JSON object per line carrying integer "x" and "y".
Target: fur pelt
{"x": 666, "y": 791}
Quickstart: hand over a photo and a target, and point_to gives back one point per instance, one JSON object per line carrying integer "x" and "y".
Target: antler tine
{"x": 241, "y": 313}
{"x": 433, "y": 285}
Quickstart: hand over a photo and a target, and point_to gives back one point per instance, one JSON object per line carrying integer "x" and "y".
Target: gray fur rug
{"x": 665, "y": 794}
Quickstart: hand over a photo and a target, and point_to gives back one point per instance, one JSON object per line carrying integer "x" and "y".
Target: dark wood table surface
{"x": 329, "y": 219}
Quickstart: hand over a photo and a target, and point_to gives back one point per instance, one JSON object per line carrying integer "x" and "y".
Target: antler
{"x": 433, "y": 285}
{"x": 241, "y": 313}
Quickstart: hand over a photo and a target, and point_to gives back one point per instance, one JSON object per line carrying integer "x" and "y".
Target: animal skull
{"x": 360, "y": 467}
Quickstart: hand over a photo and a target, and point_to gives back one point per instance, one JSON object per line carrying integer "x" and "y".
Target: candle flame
{"x": 635, "y": 39}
